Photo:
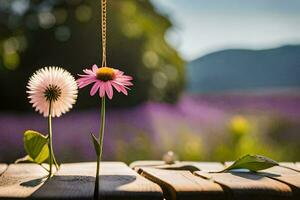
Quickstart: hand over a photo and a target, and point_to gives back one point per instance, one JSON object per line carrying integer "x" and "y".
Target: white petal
{"x": 44, "y": 77}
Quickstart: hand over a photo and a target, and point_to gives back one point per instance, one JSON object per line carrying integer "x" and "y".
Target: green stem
{"x": 45, "y": 168}
{"x": 96, "y": 191}
{"x": 283, "y": 166}
{"x": 51, "y": 153}
{"x": 101, "y": 136}
{"x": 50, "y": 139}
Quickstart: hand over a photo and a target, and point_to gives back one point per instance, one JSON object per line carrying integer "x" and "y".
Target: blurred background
{"x": 213, "y": 80}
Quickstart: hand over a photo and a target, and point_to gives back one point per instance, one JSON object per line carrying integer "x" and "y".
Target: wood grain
{"x": 3, "y": 167}
{"x": 182, "y": 184}
{"x": 117, "y": 181}
{"x": 183, "y": 165}
{"x": 241, "y": 185}
{"x": 182, "y": 180}
{"x": 146, "y": 163}
{"x": 285, "y": 175}
{"x": 206, "y": 166}
{"x": 283, "y": 170}
{"x": 21, "y": 180}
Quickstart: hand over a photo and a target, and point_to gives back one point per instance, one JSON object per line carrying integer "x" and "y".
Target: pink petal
{"x": 124, "y": 91}
{"x": 121, "y": 75}
{"x": 101, "y": 89}
{"x": 83, "y": 79}
{"x": 88, "y": 71}
{"x": 129, "y": 78}
{"x": 85, "y": 75}
{"x": 118, "y": 72}
{"x": 82, "y": 82}
{"x": 95, "y": 68}
{"x": 94, "y": 88}
{"x": 109, "y": 90}
{"x": 116, "y": 86}
{"x": 123, "y": 83}
{"x": 120, "y": 87}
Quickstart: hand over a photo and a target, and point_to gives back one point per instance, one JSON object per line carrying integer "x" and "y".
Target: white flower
{"x": 52, "y": 85}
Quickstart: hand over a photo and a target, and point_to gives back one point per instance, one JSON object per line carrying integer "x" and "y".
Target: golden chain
{"x": 103, "y": 31}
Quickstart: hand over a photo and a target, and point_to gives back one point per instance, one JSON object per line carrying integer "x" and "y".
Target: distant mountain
{"x": 245, "y": 70}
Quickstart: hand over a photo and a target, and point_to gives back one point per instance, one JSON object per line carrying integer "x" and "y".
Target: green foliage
{"x": 36, "y": 146}
{"x": 68, "y": 35}
{"x": 252, "y": 163}
{"x": 96, "y": 144}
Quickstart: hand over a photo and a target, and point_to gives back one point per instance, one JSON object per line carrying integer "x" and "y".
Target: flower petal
{"x": 101, "y": 89}
{"x": 94, "y": 88}
{"x": 60, "y": 78}
{"x": 89, "y": 72}
{"x": 116, "y": 86}
{"x": 95, "y": 68}
{"x": 109, "y": 90}
{"x": 82, "y": 82}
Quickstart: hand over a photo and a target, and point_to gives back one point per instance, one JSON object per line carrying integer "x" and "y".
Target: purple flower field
{"x": 145, "y": 131}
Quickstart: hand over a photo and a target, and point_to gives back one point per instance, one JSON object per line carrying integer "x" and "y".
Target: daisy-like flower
{"x": 105, "y": 79}
{"x": 55, "y": 86}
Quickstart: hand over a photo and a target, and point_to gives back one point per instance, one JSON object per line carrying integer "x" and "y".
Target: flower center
{"x": 52, "y": 93}
{"x": 105, "y": 74}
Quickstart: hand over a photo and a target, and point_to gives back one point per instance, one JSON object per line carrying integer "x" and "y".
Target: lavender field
{"x": 207, "y": 127}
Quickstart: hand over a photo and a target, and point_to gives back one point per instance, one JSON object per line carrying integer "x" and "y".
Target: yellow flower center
{"x": 105, "y": 74}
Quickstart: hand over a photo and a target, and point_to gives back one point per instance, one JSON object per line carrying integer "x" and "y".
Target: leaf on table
{"x": 36, "y": 146}
{"x": 252, "y": 163}
{"x": 26, "y": 158}
{"x": 96, "y": 144}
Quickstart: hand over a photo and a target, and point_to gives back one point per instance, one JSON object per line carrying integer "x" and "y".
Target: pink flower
{"x": 104, "y": 79}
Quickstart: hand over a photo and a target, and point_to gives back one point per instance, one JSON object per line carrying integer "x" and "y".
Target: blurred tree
{"x": 38, "y": 33}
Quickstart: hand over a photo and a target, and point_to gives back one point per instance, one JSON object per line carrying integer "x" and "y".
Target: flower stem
{"x": 50, "y": 146}
{"x": 101, "y": 136}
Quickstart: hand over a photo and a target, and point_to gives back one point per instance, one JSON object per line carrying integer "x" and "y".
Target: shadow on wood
{"x": 34, "y": 182}
{"x": 82, "y": 187}
{"x": 117, "y": 181}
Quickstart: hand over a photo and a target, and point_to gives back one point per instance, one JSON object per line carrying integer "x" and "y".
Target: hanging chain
{"x": 103, "y": 31}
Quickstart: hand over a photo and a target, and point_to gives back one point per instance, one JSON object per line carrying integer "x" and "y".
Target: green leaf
{"x": 36, "y": 146}
{"x": 252, "y": 163}
{"x": 96, "y": 144}
{"x": 26, "y": 158}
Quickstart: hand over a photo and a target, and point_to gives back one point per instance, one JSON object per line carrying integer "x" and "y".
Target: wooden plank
{"x": 183, "y": 165}
{"x": 146, "y": 163}
{"x": 285, "y": 175}
{"x": 117, "y": 181}
{"x": 21, "y": 180}
{"x": 182, "y": 184}
{"x": 3, "y": 167}
{"x": 291, "y": 165}
{"x": 277, "y": 170}
{"x": 205, "y": 166}
{"x": 240, "y": 185}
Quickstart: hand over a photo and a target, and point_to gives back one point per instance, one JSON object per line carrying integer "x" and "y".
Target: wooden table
{"x": 148, "y": 180}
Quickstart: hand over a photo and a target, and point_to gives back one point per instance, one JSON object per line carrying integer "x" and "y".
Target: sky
{"x": 205, "y": 26}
